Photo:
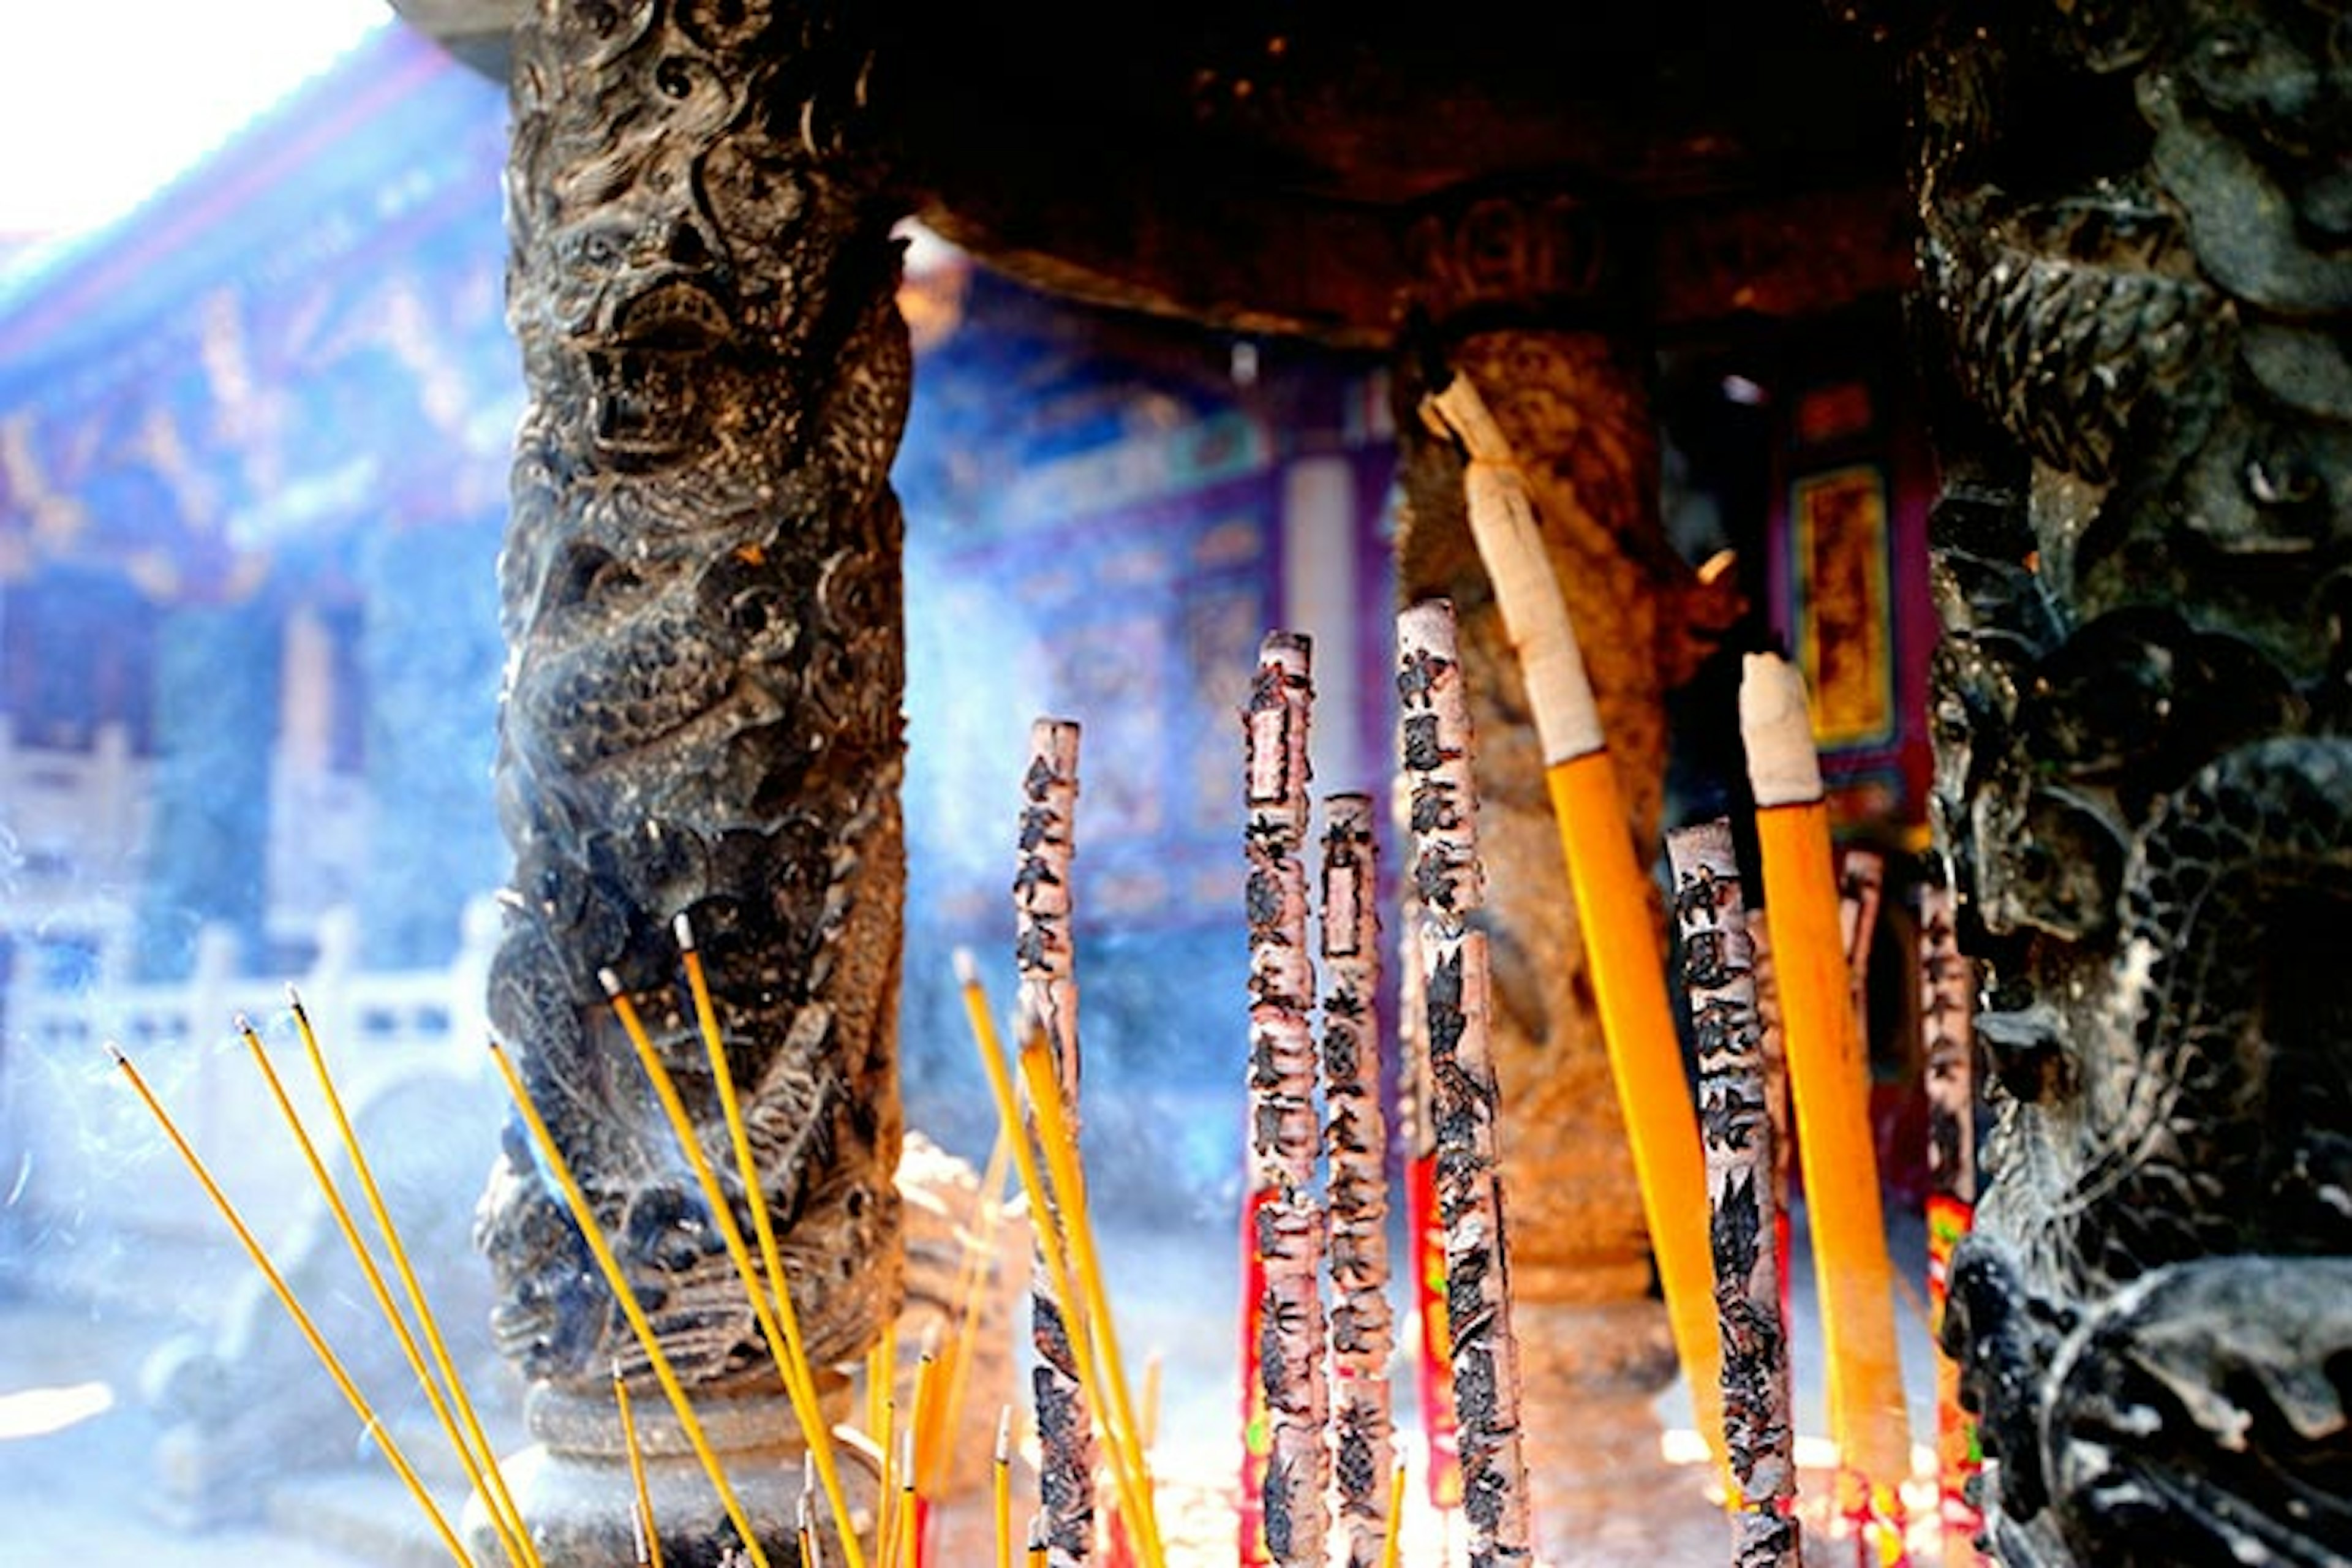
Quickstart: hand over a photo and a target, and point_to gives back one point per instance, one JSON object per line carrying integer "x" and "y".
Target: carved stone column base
{"x": 575, "y": 1492}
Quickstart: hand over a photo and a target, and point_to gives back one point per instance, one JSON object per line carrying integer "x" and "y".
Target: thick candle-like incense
{"x": 1948, "y": 986}
{"x": 1719, "y": 984}
{"x": 1450, "y": 882}
{"x": 1355, "y": 1135}
{"x": 1853, "y": 1275}
{"x": 1614, "y": 900}
{"x": 1043, "y": 952}
{"x": 1285, "y": 1140}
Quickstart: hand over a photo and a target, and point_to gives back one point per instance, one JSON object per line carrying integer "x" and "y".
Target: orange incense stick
{"x": 649, "y": 1540}
{"x": 285, "y": 1294}
{"x": 583, "y": 1216}
{"x": 1853, "y": 1277}
{"x": 381, "y": 1291}
{"x": 1612, "y": 895}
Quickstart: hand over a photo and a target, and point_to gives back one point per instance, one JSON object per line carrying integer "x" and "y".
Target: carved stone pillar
{"x": 1575, "y": 405}
{"x": 2139, "y": 256}
{"x": 701, "y": 600}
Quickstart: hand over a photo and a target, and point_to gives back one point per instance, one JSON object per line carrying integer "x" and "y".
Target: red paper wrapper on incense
{"x": 1447, "y": 877}
{"x": 1355, "y": 1142}
{"x": 1044, "y": 956}
{"x": 1948, "y": 985}
{"x": 1285, "y": 1136}
{"x": 1719, "y": 984}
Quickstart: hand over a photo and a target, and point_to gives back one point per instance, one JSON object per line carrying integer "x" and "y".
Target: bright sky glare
{"x": 98, "y": 107}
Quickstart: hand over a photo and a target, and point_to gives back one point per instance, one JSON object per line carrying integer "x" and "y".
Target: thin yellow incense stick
{"x": 922, "y": 1424}
{"x": 380, "y": 1288}
{"x": 814, "y": 1429}
{"x": 972, "y": 1291}
{"x": 1049, "y": 1239}
{"x": 886, "y": 1549}
{"x": 1036, "y": 1543}
{"x": 810, "y": 1556}
{"x": 496, "y": 1498}
{"x": 911, "y": 1548}
{"x": 1003, "y": 1488}
{"x": 790, "y": 1367}
{"x": 1062, "y": 1163}
{"x": 584, "y": 1216}
{"x": 652, "y": 1549}
{"x": 1149, "y": 1433}
{"x": 285, "y": 1293}
{"x": 1392, "y": 1540}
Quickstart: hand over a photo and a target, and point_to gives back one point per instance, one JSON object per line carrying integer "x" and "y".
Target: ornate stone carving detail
{"x": 701, "y": 597}
{"x": 2138, "y": 251}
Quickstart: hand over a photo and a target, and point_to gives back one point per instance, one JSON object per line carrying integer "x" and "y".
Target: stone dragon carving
{"x": 2137, "y": 222}
{"x": 701, "y": 599}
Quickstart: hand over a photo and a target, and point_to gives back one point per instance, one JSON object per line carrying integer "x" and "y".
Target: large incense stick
{"x": 1043, "y": 952}
{"x": 380, "y": 1290}
{"x": 1355, "y": 1137}
{"x": 1854, "y": 1279}
{"x": 1947, "y": 984}
{"x": 254, "y": 1250}
{"x": 1433, "y": 1349}
{"x": 1285, "y": 1138}
{"x": 1614, "y": 895}
{"x": 1719, "y": 988}
{"x": 583, "y": 1216}
{"x": 1452, "y": 955}
{"x": 1772, "y": 1062}
{"x": 497, "y": 1500}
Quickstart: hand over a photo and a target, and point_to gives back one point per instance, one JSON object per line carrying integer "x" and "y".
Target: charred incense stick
{"x": 1854, "y": 1279}
{"x": 1043, "y": 954}
{"x": 648, "y": 1539}
{"x": 285, "y": 1294}
{"x": 815, "y": 1430}
{"x": 583, "y": 1216}
{"x": 1947, "y": 1014}
{"x": 496, "y": 1498}
{"x": 792, "y": 1364}
{"x": 1286, "y": 1223}
{"x": 1447, "y": 873}
{"x": 1614, "y": 895}
{"x": 1720, "y": 989}
{"x": 1355, "y": 1137}
{"x": 380, "y": 1290}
